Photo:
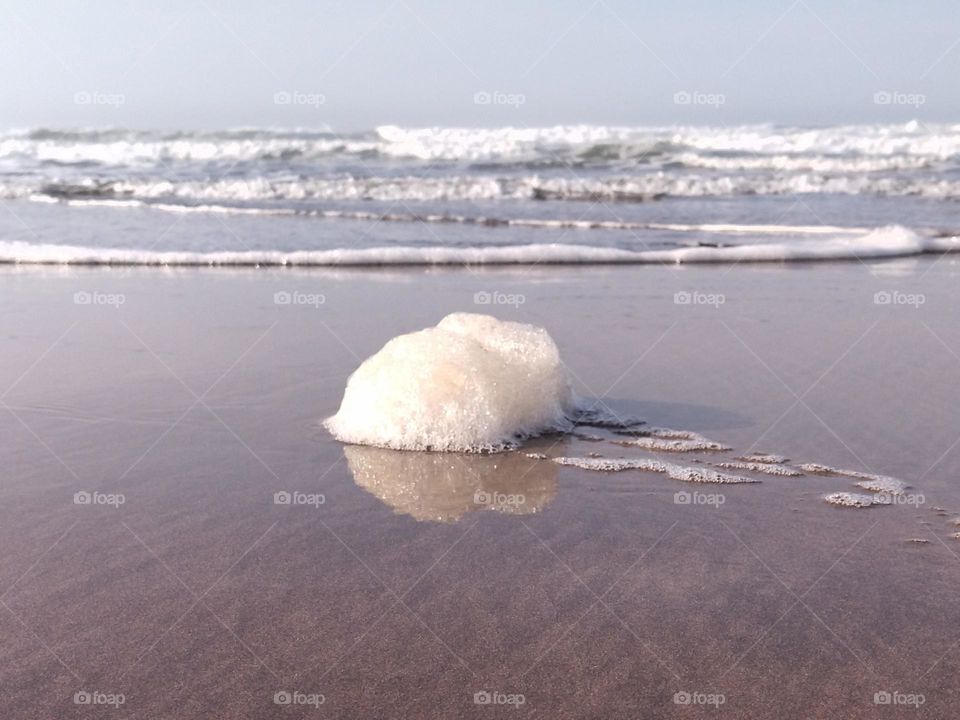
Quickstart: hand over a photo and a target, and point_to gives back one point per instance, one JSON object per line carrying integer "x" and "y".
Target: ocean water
{"x": 570, "y": 194}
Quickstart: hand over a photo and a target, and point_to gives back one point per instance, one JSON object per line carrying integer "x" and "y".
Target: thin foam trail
{"x": 676, "y": 472}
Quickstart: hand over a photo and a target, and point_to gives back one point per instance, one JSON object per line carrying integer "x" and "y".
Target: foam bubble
{"x": 472, "y": 383}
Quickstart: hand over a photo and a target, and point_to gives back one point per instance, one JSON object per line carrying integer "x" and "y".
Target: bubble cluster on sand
{"x": 760, "y": 467}
{"x": 765, "y": 458}
{"x": 668, "y": 440}
{"x": 818, "y": 469}
{"x": 676, "y": 472}
{"x": 472, "y": 383}
{"x": 881, "y": 484}
{"x": 601, "y": 464}
{"x": 855, "y": 500}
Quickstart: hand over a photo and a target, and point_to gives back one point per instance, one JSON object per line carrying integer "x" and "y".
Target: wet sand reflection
{"x": 443, "y": 487}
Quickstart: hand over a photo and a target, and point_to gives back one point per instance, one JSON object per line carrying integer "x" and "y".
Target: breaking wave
{"x": 886, "y": 242}
{"x": 576, "y": 163}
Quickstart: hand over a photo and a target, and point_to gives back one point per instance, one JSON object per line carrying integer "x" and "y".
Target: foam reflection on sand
{"x": 444, "y": 487}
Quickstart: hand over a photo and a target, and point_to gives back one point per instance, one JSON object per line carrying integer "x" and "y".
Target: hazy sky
{"x": 358, "y": 64}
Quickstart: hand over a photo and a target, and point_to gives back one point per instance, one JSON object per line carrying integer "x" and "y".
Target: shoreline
{"x": 773, "y": 599}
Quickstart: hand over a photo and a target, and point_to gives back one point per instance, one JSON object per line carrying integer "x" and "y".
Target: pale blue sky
{"x": 220, "y": 63}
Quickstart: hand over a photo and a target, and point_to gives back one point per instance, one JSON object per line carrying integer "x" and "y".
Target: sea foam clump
{"x": 472, "y": 383}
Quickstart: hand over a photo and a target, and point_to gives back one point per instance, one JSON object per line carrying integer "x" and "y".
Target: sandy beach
{"x": 181, "y": 402}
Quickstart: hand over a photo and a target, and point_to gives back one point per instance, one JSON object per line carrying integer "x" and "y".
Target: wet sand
{"x": 404, "y": 593}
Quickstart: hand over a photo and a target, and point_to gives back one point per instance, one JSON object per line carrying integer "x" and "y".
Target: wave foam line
{"x": 881, "y": 243}
{"x": 551, "y": 223}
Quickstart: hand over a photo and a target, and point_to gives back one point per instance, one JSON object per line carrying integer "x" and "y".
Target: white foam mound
{"x": 472, "y": 383}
